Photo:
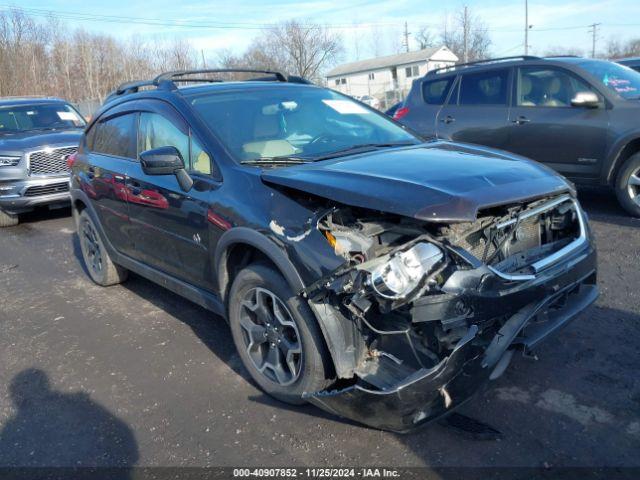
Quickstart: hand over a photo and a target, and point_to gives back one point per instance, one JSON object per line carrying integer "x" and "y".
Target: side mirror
{"x": 166, "y": 161}
{"x": 585, "y": 100}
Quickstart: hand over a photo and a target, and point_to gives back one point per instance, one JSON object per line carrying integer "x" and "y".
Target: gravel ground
{"x": 135, "y": 375}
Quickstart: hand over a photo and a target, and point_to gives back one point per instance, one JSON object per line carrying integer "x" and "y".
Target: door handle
{"x": 136, "y": 188}
{"x": 91, "y": 173}
{"x": 448, "y": 119}
{"x": 521, "y": 120}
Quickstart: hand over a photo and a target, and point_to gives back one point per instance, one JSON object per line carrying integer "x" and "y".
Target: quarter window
{"x": 547, "y": 87}
{"x": 485, "y": 88}
{"x": 114, "y": 136}
{"x": 435, "y": 92}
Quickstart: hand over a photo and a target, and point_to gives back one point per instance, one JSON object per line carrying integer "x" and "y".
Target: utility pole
{"x": 594, "y": 30}
{"x": 465, "y": 35}
{"x": 526, "y": 27}
{"x": 406, "y": 36}
{"x": 204, "y": 64}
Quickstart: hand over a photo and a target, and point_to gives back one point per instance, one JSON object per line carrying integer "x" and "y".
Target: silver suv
{"x": 36, "y": 137}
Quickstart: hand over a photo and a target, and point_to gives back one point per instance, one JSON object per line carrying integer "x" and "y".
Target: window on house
{"x": 337, "y": 81}
{"x": 372, "y": 76}
{"x": 343, "y": 81}
{"x": 413, "y": 71}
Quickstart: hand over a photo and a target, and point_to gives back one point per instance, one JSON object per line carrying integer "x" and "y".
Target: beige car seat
{"x": 553, "y": 89}
{"x": 526, "y": 86}
{"x": 266, "y": 129}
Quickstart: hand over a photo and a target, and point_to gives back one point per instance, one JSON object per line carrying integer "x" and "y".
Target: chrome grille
{"x": 47, "y": 189}
{"x": 50, "y": 161}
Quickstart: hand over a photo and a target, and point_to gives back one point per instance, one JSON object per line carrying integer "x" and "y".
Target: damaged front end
{"x": 421, "y": 314}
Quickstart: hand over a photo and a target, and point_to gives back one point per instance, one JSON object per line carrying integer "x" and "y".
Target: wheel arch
{"x": 246, "y": 245}
{"x": 624, "y": 150}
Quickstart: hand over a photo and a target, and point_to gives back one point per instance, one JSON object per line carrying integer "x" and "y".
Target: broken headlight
{"x": 402, "y": 273}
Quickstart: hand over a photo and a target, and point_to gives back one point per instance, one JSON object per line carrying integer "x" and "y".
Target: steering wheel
{"x": 322, "y": 138}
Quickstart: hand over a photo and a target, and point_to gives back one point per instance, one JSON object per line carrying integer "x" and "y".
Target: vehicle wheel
{"x": 7, "y": 219}
{"x": 96, "y": 258}
{"x": 628, "y": 185}
{"x": 276, "y": 335}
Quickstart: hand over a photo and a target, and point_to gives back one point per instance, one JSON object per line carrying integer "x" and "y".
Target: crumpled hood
{"x": 439, "y": 181}
{"x": 19, "y": 142}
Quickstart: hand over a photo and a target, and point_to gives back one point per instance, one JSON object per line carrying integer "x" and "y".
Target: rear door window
{"x": 435, "y": 92}
{"x": 115, "y": 136}
{"x": 485, "y": 88}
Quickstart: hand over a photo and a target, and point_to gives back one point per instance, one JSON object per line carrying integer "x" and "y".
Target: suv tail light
{"x": 401, "y": 112}
{"x": 71, "y": 160}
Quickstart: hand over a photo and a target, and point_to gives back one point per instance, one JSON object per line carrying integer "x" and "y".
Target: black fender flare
{"x": 259, "y": 241}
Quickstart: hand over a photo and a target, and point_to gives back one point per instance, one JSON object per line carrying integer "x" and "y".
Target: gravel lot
{"x": 135, "y": 375}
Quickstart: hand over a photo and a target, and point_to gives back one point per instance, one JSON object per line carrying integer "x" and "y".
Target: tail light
{"x": 71, "y": 159}
{"x": 400, "y": 113}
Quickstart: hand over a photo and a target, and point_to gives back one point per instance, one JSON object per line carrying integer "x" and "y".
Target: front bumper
{"x": 534, "y": 310}
{"x": 23, "y": 195}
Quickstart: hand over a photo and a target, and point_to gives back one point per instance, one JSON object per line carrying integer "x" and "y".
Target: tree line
{"x": 48, "y": 58}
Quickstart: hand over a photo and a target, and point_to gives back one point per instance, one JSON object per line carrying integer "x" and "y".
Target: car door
{"x": 544, "y": 126}
{"x": 478, "y": 109}
{"x": 111, "y": 146}
{"x": 169, "y": 226}
{"x": 424, "y": 102}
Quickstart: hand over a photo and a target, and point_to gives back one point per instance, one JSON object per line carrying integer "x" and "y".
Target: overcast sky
{"x": 366, "y": 26}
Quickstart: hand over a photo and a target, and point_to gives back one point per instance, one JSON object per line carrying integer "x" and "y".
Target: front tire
{"x": 8, "y": 219}
{"x": 101, "y": 268}
{"x": 628, "y": 185}
{"x": 276, "y": 335}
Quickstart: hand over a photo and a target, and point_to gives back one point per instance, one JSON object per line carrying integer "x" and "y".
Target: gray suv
{"x": 578, "y": 116}
{"x": 36, "y": 137}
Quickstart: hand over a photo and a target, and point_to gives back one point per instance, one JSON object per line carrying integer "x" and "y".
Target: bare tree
{"x": 467, "y": 36}
{"x": 425, "y": 38}
{"x": 618, "y": 49}
{"x": 556, "y": 50}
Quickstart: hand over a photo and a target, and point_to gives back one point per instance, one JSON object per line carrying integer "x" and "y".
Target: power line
{"x": 67, "y": 15}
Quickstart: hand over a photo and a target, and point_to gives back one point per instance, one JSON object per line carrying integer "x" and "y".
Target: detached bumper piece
{"x": 389, "y": 395}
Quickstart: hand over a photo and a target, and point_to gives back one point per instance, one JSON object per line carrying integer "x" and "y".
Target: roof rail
{"x": 176, "y": 75}
{"x": 481, "y": 62}
{"x": 169, "y": 79}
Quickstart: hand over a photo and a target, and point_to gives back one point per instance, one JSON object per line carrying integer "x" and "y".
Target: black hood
{"x": 437, "y": 181}
{"x": 28, "y": 140}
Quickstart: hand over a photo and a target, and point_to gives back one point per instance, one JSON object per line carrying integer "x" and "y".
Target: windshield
{"x": 622, "y": 80}
{"x": 45, "y": 116}
{"x": 301, "y": 123}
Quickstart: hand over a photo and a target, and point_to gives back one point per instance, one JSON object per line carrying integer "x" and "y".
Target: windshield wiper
{"x": 361, "y": 148}
{"x": 281, "y": 160}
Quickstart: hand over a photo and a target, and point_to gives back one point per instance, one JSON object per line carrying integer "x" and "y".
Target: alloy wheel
{"x": 92, "y": 247}
{"x": 271, "y": 337}
{"x": 633, "y": 186}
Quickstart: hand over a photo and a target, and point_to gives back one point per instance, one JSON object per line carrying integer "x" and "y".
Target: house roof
{"x": 383, "y": 62}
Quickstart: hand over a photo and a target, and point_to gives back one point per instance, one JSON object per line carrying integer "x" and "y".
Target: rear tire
{"x": 8, "y": 219}
{"x": 276, "y": 335}
{"x": 101, "y": 268}
{"x": 627, "y": 185}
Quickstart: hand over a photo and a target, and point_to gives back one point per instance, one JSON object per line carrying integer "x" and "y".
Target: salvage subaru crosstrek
{"x": 379, "y": 277}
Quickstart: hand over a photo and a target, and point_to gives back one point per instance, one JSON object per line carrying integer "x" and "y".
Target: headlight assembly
{"x": 9, "y": 161}
{"x": 402, "y": 273}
